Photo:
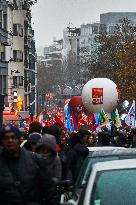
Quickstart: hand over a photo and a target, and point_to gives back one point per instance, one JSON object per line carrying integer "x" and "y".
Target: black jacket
{"x": 75, "y": 157}
{"x": 25, "y": 180}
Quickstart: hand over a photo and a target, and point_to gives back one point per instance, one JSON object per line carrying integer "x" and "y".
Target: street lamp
{"x": 10, "y": 85}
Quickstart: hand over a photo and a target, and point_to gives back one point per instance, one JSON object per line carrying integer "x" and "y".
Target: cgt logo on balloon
{"x": 97, "y": 96}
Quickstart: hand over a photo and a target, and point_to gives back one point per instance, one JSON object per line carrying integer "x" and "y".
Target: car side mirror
{"x": 66, "y": 185}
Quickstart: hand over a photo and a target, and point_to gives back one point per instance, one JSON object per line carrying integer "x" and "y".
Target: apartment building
{"x": 112, "y": 18}
{"x": 3, "y": 43}
{"x": 21, "y": 55}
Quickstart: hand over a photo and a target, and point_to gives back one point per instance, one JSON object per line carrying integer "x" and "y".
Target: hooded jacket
{"x": 75, "y": 159}
{"x": 53, "y": 162}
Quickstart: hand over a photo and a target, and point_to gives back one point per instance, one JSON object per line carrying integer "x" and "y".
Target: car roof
{"x": 113, "y": 152}
{"x": 114, "y": 165}
{"x": 94, "y": 149}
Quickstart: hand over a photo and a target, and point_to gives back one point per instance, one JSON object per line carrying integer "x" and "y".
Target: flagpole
{"x": 130, "y": 118}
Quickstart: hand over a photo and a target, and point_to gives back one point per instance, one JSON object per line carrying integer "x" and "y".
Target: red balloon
{"x": 76, "y": 104}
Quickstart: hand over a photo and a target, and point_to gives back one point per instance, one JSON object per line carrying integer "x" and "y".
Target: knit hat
{"x": 10, "y": 128}
{"x": 53, "y": 130}
{"x": 34, "y": 137}
{"x": 47, "y": 141}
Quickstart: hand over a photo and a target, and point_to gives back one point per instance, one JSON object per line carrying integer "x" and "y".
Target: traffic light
{"x": 19, "y": 103}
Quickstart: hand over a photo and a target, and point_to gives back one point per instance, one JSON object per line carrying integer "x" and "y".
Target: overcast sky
{"x": 50, "y": 17}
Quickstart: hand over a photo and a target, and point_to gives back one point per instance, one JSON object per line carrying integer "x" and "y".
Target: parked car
{"x": 111, "y": 182}
{"x": 98, "y": 154}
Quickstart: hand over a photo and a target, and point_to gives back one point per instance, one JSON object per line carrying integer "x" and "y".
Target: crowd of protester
{"x": 31, "y": 172}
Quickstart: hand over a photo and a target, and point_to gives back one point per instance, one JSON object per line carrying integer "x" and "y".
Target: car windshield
{"x": 115, "y": 187}
{"x": 86, "y": 172}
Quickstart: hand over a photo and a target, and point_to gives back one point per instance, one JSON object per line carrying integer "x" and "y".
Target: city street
{"x": 67, "y": 102}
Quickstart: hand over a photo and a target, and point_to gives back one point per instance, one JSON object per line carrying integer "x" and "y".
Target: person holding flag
{"x": 103, "y": 119}
{"x": 131, "y": 116}
{"x": 115, "y": 119}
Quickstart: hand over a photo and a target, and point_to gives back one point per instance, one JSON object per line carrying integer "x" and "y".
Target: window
{"x": 21, "y": 32}
{"x": 3, "y": 84}
{"x": 3, "y": 56}
{"x": 1, "y": 19}
{"x": 0, "y": 84}
{"x": 5, "y": 21}
{"x": 20, "y": 79}
{"x": 18, "y": 56}
{"x": 2, "y": 52}
{"x": 18, "y": 30}
{"x": 111, "y": 29}
{"x": 88, "y": 167}
{"x": 15, "y": 32}
{"x": 95, "y": 29}
{"x": 17, "y": 81}
{"x": 115, "y": 183}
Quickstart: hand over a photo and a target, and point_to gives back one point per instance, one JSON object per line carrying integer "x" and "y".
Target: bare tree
{"x": 115, "y": 57}
{"x": 71, "y": 69}
{"x": 49, "y": 76}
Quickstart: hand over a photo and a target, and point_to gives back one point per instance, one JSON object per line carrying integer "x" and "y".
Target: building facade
{"x": 71, "y": 37}
{"x": 3, "y": 44}
{"x": 32, "y": 76}
{"x": 21, "y": 56}
{"x": 53, "y": 63}
{"x": 88, "y": 47}
{"x": 112, "y": 18}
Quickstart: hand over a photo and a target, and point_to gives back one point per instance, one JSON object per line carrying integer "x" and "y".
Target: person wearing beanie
{"x": 53, "y": 130}
{"x": 24, "y": 177}
{"x": 10, "y": 139}
{"x": 46, "y": 146}
{"x": 32, "y": 141}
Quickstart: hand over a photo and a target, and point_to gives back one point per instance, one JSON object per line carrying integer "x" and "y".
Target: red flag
{"x": 58, "y": 120}
{"x": 74, "y": 121}
{"x": 93, "y": 119}
{"x": 94, "y": 125}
